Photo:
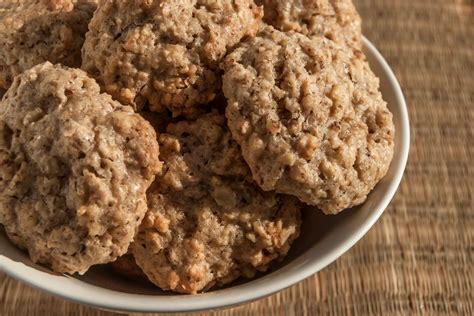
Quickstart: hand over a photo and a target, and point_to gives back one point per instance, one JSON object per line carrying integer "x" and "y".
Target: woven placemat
{"x": 419, "y": 258}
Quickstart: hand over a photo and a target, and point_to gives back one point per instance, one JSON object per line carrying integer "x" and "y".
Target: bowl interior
{"x": 323, "y": 239}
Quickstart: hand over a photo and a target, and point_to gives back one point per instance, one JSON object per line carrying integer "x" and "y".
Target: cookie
{"x": 74, "y": 169}
{"x": 128, "y": 268}
{"x": 162, "y": 53}
{"x": 337, "y": 20}
{"x": 32, "y": 32}
{"x": 309, "y": 117}
{"x": 207, "y": 222}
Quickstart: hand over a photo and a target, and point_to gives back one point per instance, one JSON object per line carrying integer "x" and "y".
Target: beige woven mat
{"x": 419, "y": 258}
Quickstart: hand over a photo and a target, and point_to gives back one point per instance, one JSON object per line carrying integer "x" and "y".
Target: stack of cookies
{"x": 179, "y": 140}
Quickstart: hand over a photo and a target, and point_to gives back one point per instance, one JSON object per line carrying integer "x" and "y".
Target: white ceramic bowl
{"x": 323, "y": 240}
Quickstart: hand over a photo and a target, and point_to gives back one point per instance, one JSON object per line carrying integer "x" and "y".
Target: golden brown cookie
{"x": 74, "y": 169}
{"x": 207, "y": 222}
{"x": 163, "y": 53}
{"x": 35, "y": 31}
{"x": 309, "y": 117}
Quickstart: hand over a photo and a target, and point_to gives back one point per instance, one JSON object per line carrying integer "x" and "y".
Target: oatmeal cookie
{"x": 207, "y": 222}
{"x": 337, "y": 20}
{"x": 74, "y": 169}
{"x": 32, "y": 32}
{"x": 164, "y": 53}
{"x": 309, "y": 117}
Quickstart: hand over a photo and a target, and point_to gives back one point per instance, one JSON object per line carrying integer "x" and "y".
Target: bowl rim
{"x": 127, "y": 302}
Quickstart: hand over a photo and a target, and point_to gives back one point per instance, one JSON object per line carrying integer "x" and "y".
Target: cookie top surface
{"x": 32, "y": 32}
{"x": 309, "y": 118}
{"x": 164, "y": 53}
{"x": 75, "y": 167}
{"x": 337, "y": 20}
{"x": 207, "y": 223}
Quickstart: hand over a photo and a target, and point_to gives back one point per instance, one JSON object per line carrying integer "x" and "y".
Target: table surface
{"x": 419, "y": 257}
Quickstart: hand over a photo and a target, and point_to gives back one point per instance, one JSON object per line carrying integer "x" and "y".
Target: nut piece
{"x": 207, "y": 222}
{"x": 32, "y": 32}
{"x": 74, "y": 169}
{"x": 316, "y": 125}
{"x": 163, "y": 53}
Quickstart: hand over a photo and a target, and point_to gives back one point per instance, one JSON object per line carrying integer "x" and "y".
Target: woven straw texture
{"x": 419, "y": 258}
